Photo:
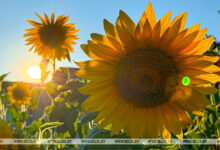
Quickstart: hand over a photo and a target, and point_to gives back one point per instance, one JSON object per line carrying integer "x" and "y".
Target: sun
{"x": 34, "y": 72}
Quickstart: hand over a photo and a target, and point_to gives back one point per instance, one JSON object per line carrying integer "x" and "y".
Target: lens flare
{"x": 186, "y": 81}
{"x": 34, "y": 72}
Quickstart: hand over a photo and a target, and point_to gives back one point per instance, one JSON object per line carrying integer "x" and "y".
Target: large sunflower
{"x": 52, "y": 38}
{"x": 19, "y": 93}
{"x": 145, "y": 78}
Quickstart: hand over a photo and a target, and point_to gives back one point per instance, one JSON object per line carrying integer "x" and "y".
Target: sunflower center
{"x": 146, "y": 77}
{"x": 19, "y": 93}
{"x": 52, "y": 35}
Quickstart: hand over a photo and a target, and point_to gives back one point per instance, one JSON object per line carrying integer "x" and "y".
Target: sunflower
{"x": 146, "y": 78}
{"x": 19, "y": 93}
{"x": 52, "y": 38}
{"x": 6, "y": 132}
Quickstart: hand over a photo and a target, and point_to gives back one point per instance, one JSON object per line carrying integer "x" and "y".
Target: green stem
{"x": 212, "y": 98}
{"x": 195, "y": 128}
{"x": 218, "y": 133}
{"x": 3, "y": 111}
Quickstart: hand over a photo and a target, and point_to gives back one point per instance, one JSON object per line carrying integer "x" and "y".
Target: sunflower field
{"x": 154, "y": 80}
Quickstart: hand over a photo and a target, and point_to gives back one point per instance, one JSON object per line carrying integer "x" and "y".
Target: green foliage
{"x": 2, "y": 77}
{"x": 47, "y": 127}
{"x": 95, "y": 132}
{"x": 35, "y": 95}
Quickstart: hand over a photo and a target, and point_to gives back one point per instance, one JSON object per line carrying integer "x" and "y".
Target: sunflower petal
{"x": 52, "y": 17}
{"x": 41, "y": 18}
{"x": 165, "y": 22}
{"x": 203, "y": 46}
{"x": 110, "y": 30}
{"x": 150, "y": 15}
{"x": 125, "y": 36}
{"x": 181, "y": 17}
{"x": 127, "y": 22}
{"x": 34, "y": 23}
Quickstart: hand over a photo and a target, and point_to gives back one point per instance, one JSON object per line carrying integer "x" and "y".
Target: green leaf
{"x": 50, "y": 88}
{"x": 197, "y": 135}
{"x": 3, "y": 98}
{"x": 48, "y": 126}
{"x": 35, "y": 96}
{"x": 34, "y": 127}
{"x": 211, "y": 118}
{"x": 217, "y": 124}
{"x": 2, "y": 77}
{"x": 68, "y": 57}
{"x": 83, "y": 130}
{"x": 65, "y": 112}
{"x": 89, "y": 117}
{"x": 172, "y": 147}
{"x": 96, "y": 133}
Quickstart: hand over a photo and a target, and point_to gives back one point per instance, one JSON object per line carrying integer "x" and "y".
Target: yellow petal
{"x": 186, "y": 41}
{"x": 212, "y": 78}
{"x": 189, "y": 48}
{"x": 88, "y": 52}
{"x": 47, "y": 18}
{"x": 96, "y": 66}
{"x": 115, "y": 115}
{"x": 199, "y": 99}
{"x": 150, "y": 15}
{"x": 203, "y": 46}
{"x": 165, "y": 22}
{"x": 125, "y": 36}
{"x": 52, "y": 17}
{"x": 212, "y": 59}
{"x": 138, "y": 32}
{"x": 201, "y": 34}
{"x": 206, "y": 89}
{"x": 123, "y": 118}
{"x": 181, "y": 17}
{"x": 166, "y": 135}
{"x": 41, "y": 18}
{"x": 107, "y": 41}
{"x": 151, "y": 130}
{"x": 156, "y": 33}
{"x": 34, "y": 23}
{"x": 127, "y": 22}
{"x": 100, "y": 38}
{"x": 172, "y": 122}
{"x": 172, "y": 32}
{"x": 108, "y": 111}
{"x": 103, "y": 51}
{"x": 97, "y": 102}
{"x": 94, "y": 86}
{"x": 212, "y": 68}
{"x": 110, "y": 30}
{"x": 147, "y": 31}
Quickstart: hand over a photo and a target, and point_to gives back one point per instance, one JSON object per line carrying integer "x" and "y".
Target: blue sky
{"x": 88, "y": 16}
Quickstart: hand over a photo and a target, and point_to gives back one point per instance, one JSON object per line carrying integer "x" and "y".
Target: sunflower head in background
{"x": 6, "y": 132}
{"x": 52, "y": 38}
{"x": 19, "y": 93}
{"x": 146, "y": 78}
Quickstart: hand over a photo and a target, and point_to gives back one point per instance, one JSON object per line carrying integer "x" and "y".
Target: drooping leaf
{"x": 2, "y": 77}
{"x": 48, "y": 126}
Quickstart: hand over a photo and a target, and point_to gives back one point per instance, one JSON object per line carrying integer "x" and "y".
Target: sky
{"x": 88, "y": 16}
